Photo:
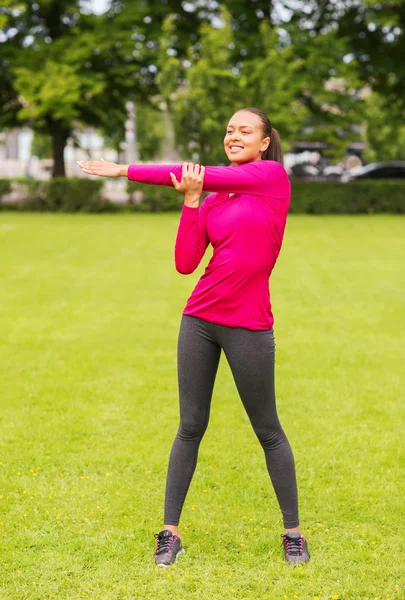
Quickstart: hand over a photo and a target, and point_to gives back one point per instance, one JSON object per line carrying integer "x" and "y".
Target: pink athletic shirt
{"x": 246, "y": 231}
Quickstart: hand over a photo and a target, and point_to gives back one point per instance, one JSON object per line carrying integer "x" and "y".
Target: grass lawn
{"x": 89, "y": 313}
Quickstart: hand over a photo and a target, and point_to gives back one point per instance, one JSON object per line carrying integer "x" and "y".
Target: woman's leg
{"x": 251, "y": 356}
{"x": 198, "y": 357}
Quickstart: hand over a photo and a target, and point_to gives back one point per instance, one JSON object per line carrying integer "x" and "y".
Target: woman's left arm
{"x": 262, "y": 177}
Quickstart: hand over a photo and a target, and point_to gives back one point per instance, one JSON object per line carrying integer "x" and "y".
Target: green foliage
{"x": 66, "y": 68}
{"x": 150, "y": 127}
{"x": 153, "y": 198}
{"x": 326, "y": 88}
{"x": 375, "y": 32}
{"x": 247, "y": 17}
{"x": 371, "y": 33}
{"x": 384, "y": 131}
{"x": 356, "y": 197}
{"x": 5, "y": 187}
{"x": 61, "y": 68}
{"x": 204, "y": 105}
{"x": 306, "y": 98}
{"x": 270, "y": 81}
{"x": 85, "y": 195}
{"x": 56, "y": 91}
{"x": 76, "y": 195}
{"x": 169, "y": 64}
{"x": 41, "y": 145}
{"x": 61, "y": 195}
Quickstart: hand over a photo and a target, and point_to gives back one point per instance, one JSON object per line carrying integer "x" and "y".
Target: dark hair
{"x": 273, "y": 151}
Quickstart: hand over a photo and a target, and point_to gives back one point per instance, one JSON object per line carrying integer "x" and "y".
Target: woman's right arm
{"x": 192, "y": 238}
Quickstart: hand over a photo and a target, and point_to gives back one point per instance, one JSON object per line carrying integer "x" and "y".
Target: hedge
{"x": 355, "y": 197}
{"x": 154, "y": 198}
{"x": 5, "y": 187}
{"x": 56, "y": 195}
{"x": 85, "y": 195}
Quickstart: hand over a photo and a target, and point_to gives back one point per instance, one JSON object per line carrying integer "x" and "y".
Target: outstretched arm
{"x": 265, "y": 177}
{"x": 262, "y": 177}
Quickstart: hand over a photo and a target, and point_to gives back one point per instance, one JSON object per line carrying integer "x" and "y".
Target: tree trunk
{"x": 59, "y": 138}
{"x": 59, "y": 134}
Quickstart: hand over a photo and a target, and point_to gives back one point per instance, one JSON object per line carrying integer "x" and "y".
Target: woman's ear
{"x": 265, "y": 144}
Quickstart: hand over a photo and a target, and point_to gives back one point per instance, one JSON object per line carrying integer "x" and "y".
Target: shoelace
{"x": 294, "y": 546}
{"x": 164, "y": 544}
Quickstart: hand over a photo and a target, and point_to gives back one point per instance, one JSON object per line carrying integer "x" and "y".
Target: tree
{"x": 306, "y": 97}
{"x": 202, "y": 106}
{"x": 271, "y": 82}
{"x": 373, "y": 34}
{"x": 376, "y": 33}
{"x": 61, "y": 68}
{"x": 384, "y": 131}
{"x": 329, "y": 90}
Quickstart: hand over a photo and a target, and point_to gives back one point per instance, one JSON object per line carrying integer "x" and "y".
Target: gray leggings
{"x": 250, "y": 355}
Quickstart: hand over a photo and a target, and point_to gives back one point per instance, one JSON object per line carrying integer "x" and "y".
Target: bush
{"x": 60, "y": 195}
{"x": 85, "y": 195}
{"x": 5, "y": 187}
{"x": 33, "y": 192}
{"x": 153, "y": 198}
{"x": 75, "y": 195}
{"x": 355, "y": 197}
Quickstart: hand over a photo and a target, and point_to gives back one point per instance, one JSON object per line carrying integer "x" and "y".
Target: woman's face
{"x": 244, "y": 140}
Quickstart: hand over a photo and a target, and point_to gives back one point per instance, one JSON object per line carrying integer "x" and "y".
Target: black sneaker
{"x": 295, "y": 548}
{"x": 168, "y": 548}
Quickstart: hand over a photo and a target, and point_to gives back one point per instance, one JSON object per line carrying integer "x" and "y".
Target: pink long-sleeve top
{"x": 244, "y": 220}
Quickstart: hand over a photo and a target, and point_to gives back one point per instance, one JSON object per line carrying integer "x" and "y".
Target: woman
{"x": 229, "y": 309}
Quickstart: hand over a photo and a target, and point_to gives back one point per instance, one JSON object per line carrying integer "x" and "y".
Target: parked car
{"x": 304, "y": 171}
{"x": 379, "y": 170}
{"x": 332, "y": 173}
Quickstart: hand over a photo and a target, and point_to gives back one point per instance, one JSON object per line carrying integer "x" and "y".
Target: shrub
{"x": 85, "y": 195}
{"x": 355, "y": 197}
{"x": 60, "y": 195}
{"x": 75, "y": 195}
{"x": 5, "y": 187}
{"x": 153, "y": 198}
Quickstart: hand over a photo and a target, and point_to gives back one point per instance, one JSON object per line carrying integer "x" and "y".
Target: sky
{"x": 99, "y": 6}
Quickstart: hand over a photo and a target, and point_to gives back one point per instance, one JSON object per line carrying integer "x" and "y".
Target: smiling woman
{"x": 244, "y": 141}
{"x": 250, "y": 137}
{"x": 229, "y": 309}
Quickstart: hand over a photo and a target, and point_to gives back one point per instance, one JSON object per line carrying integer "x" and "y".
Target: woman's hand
{"x": 191, "y": 184}
{"x": 103, "y": 168}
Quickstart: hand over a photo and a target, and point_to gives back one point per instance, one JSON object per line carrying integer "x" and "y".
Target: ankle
{"x": 173, "y": 528}
{"x": 295, "y": 529}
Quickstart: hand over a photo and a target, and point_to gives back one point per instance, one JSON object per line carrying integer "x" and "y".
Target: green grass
{"x": 89, "y": 314}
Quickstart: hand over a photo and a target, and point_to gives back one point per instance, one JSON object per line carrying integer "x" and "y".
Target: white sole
{"x": 182, "y": 551}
